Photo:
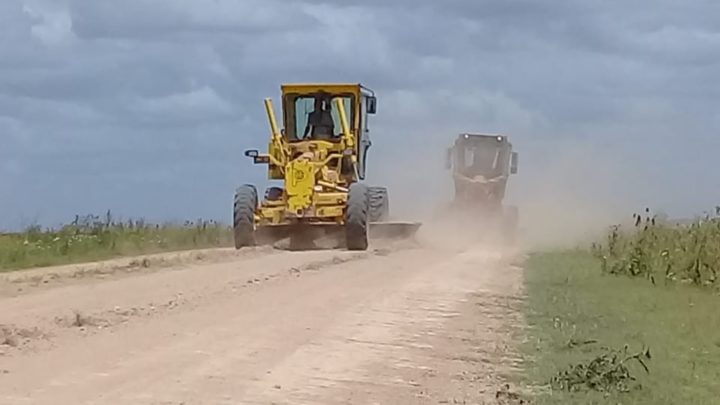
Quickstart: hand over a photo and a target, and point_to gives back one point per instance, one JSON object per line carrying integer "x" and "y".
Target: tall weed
{"x": 95, "y": 237}
{"x": 656, "y": 249}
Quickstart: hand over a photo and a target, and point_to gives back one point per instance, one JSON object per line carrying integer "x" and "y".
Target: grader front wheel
{"x": 356, "y": 217}
{"x": 244, "y": 205}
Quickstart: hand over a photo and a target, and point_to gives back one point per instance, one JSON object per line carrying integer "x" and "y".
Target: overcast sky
{"x": 145, "y": 106}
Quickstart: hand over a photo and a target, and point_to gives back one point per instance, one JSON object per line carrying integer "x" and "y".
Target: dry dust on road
{"x": 398, "y": 324}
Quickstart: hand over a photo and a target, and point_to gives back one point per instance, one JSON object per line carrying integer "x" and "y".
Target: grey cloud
{"x": 202, "y": 104}
{"x": 129, "y": 93}
{"x": 166, "y": 19}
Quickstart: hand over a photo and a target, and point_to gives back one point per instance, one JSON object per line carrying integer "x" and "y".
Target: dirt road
{"x": 394, "y": 325}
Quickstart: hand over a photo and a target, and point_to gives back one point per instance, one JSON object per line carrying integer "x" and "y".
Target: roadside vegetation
{"x": 93, "y": 238}
{"x": 631, "y": 320}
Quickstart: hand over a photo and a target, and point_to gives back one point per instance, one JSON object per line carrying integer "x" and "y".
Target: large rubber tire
{"x": 356, "y": 217}
{"x": 379, "y": 204}
{"x": 244, "y": 206}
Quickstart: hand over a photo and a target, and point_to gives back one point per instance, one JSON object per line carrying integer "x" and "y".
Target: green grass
{"x": 571, "y": 300}
{"x": 93, "y": 238}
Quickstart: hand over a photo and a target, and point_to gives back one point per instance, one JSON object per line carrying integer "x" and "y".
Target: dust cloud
{"x": 568, "y": 193}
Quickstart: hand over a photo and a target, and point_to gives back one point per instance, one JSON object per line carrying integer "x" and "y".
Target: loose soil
{"x": 398, "y": 324}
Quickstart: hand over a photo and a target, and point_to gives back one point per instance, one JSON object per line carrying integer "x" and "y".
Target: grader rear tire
{"x": 244, "y": 216}
{"x": 356, "y": 217}
{"x": 379, "y": 204}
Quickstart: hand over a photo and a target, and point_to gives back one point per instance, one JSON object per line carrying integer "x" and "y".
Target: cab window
{"x": 303, "y": 106}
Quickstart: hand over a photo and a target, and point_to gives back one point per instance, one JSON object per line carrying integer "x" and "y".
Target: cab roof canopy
{"x": 469, "y": 137}
{"x": 308, "y": 88}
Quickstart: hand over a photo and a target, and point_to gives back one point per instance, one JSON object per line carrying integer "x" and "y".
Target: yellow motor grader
{"x": 320, "y": 154}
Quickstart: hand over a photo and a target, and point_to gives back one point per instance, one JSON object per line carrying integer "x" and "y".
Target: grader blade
{"x": 268, "y": 235}
{"x": 394, "y": 229}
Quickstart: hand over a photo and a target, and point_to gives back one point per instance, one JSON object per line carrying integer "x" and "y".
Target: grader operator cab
{"x": 320, "y": 154}
{"x": 481, "y": 165}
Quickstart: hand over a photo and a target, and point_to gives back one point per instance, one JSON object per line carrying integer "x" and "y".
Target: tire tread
{"x": 244, "y": 206}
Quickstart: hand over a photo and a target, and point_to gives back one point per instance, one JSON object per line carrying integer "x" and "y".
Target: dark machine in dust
{"x": 481, "y": 165}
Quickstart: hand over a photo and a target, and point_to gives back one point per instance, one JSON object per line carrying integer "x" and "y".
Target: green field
{"x": 651, "y": 289}
{"x": 95, "y": 238}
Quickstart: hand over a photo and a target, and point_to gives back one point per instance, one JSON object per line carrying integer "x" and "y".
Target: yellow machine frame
{"x": 316, "y": 173}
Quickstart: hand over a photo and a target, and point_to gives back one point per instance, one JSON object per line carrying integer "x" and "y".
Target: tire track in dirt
{"x": 23, "y": 281}
{"x": 444, "y": 337}
{"x": 406, "y": 326}
{"x": 39, "y": 318}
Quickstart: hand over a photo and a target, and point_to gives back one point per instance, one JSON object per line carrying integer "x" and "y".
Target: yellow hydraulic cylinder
{"x": 271, "y": 117}
{"x": 347, "y": 135}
